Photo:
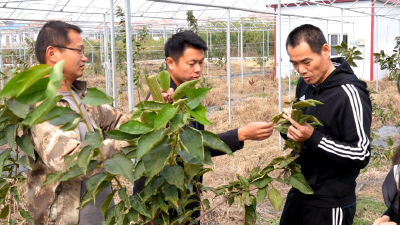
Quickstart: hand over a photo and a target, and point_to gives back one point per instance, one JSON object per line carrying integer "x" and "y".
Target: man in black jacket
{"x": 334, "y": 153}
{"x": 184, "y": 56}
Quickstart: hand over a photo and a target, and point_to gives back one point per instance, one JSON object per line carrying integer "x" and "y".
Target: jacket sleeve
{"x": 231, "y": 139}
{"x": 107, "y": 117}
{"x": 354, "y": 125}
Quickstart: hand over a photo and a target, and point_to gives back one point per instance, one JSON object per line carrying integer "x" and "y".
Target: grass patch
{"x": 368, "y": 210}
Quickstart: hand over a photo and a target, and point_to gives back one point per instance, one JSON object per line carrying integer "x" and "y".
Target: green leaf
{"x": 180, "y": 92}
{"x": 94, "y": 139}
{"x": 195, "y": 96}
{"x": 276, "y": 118}
{"x": 206, "y": 203}
{"x": 4, "y": 212}
{"x": 35, "y": 93}
{"x": 18, "y": 108}
{"x": 261, "y": 194}
{"x": 230, "y": 201}
{"x": 262, "y": 181}
{"x": 71, "y": 125}
{"x": 52, "y": 177}
{"x": 298, "y": 181}
{"x": 24, "y": 142}
{"x": 139, "y": 170}
{"x": 171, "y": 194}
{"x": 14, "y": 86}
{"x": 11, "y": 132}
{"x": 123, "y": 195}
{"x": 282, "y": 128}
{"x": 244, "y": 181}
{"x": 94, "y": 182}
{"x": 151, "y": 189}
{"x": 23, "y": 161}
{"x": 154, "y": 88}
{"x": 15, "y": 193}
{"x": 135, "y": 127}
{"x": 186, "y": 156}
{"x": 246, "y": 198}
{"x": 253, "y": 173}
{"x": 41, "y": 110}
{"x": 192, "y": 141}
{"x": 96, "y": 97}
{"x": 163, "y": 117}
{"x": 56, "y": 76}
{"x": 71, "y": 174}
{"x": 3, "y": 156}
{"x": 139, "y": 205}
{"x": 55, "y": 112}
{"x": 119, "y": 164}
{"x": 174, "y": 175}
{"x": 85, "y": 155}
{"x": 212, "y": 140}
{"x": 180, "y": 103}
{"x": 296, "y": 115}
{"x": 106, "y": 203}
{"x": 303, "y": 104}
{"x": 151, "y": 105}
{"x": 199, "y": 113}
{"x": 191, "y": 170}
{"x": 148, "y": 141}
{"x": 275, "y": 198}
{"x": 164, "y": 79}
{"x": 155, "y": 159}
{"x": 250, "y": 215}
{"x": 119, "y": 135}
{"x": 26, "y": 215}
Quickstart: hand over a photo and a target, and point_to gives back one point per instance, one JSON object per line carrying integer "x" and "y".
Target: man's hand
{"x": 287, "y": 112}
{"x": 384, "y": 220}
{"x": 256, "y": 131}
{"x": 167, "y": 95}
{"x": 299, "y": 133}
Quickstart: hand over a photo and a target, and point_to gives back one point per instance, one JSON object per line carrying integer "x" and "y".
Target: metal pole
{"x": 211, "y": 55}
{"x": 377, "y": 47}
{"x": 165, "y": 36}
{"x": 263, "y": 61}
{"x": 101, "y": 49}
{"x": 106, "y": 60}
{"x": 129, "y": 52}
{"x": 30, "y": 39}
{"x": 19, "y": 45}
{"x": 268, "y": 45}
{"x": 341, "y": 29}
{"x": 278, "y": 61}
{"x": 114, "y": 65}
{"x": 94, "y": 71}
{"x": 327, "y": 30}
{"x": 290, "y": 70}
{"x": 238, "y": 43}
{"x": 1, "y": 62}
{"x": 228, "y": 60}
{"x": 241, "y": 50}
{"x": 208, "y": 59}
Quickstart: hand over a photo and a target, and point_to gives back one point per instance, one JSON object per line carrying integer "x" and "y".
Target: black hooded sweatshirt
{"x": 332, "y": 157}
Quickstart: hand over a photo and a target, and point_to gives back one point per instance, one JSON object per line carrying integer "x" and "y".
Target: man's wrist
{"x": 241, "y": 135}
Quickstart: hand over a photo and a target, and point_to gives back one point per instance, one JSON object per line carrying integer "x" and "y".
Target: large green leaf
{"x": 71, "y": 125}
{"x": 11, "y": 132}
{"x": 106, "y": 203}
{"x": 64, "y": 118}
{"x": 275, "y": 198}
{"x": 14, "y": 86}
{"x": 15, "y": 193}
{"x": 139, "y": 170}
{"x": 94, "y": 139}
{"x": 96, "y": 97}
{"x": 262, "y": 181}
{"x": 261, "y": 194}
{"x": 250, "y": 215}
{"x": 56, "y": 77}
{"x": 192, "y": 141}
{"x": 23, "y": 161}
{"x": 154, "y": 88}
{"x": 212, "y": 140}
{"x": 155, "y": 159}
{"x": 199, "y": 113}
{"x": 52, "y": 177}
{"x": 298, "y": 181}
{"x": 166, "y": 114}
{"x": 164, "y": 79}
{"x": 148, "y": 141}
{"x": 3, "y": 156}
{"x": 35, "y": 93}
{"x": 18, "y": 108}
{"x": 187, "y": 157}
{"x": 171, "y": 194}
{"x": 24, "y": 142}
{"x": 139, "y": 205}
{"x": 26, "y": 215}
{"x": 5, "y": 211}
{"x": 151, "y": 105}
{"x": 195, "y": 96}
{"x": 174, "y": 175}
{"x": 41, "y": 110}
{"x": 119, "y": 164}
{"x": 134, "y": 127}
{"x": 119, "y": 135}
{"x": 55, "y": 112}
{"x": 191, "y": 170}
{"x": 151, "y": 189}
{"x": 85, "y": 155}
{"x": 180, "y": 92}
{"x": 74, "y": 172}
{"x": 94, "y": 182}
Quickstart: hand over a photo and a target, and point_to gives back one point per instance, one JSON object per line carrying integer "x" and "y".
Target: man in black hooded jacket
{"x": 334, "y": 153}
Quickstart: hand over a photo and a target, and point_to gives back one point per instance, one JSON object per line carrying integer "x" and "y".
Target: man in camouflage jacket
{"x": 57, "y": 203}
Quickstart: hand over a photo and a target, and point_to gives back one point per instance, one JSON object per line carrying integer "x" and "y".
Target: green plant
{"x": 350, "y": 54}
{"x": 389, "y": 62}
{"x": 192, "y": 21}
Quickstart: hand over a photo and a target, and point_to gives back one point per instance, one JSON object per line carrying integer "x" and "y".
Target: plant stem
{"x": 119, "y": 183}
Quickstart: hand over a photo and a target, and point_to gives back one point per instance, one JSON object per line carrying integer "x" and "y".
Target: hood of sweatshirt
{"x": 343, "y": 74}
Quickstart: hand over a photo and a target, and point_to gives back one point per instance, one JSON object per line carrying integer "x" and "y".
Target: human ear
{"x": 170, "y": 63}
{"x": 326, "y": 50}
{"x": 51, "y": 55}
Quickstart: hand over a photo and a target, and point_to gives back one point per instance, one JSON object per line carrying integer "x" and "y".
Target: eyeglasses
{"x": 80, "y": 51}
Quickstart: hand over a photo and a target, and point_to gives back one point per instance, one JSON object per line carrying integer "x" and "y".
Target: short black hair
{"x": 309, "y": 34}
{"x": 53, "y": 33}
{"x": 178, "y": 43}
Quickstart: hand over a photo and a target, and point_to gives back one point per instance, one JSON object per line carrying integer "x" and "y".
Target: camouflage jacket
{"x": 57, "y": 203}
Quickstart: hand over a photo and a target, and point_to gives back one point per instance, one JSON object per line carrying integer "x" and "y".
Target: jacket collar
{"x": 80, "y": 87}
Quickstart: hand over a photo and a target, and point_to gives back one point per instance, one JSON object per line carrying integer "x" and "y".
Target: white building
{"x": 370, "y": 34}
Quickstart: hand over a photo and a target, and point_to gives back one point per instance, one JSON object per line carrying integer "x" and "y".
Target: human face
{"x": 189, "y": 67}
{"x": 313, "y": 68}
{"x": 74, "y": 60}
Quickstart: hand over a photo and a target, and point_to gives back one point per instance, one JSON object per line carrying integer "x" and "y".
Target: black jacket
{"x": 391, "y": 197}
{"x": 334, "y": 154}
{"x": 230, "y": 138}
